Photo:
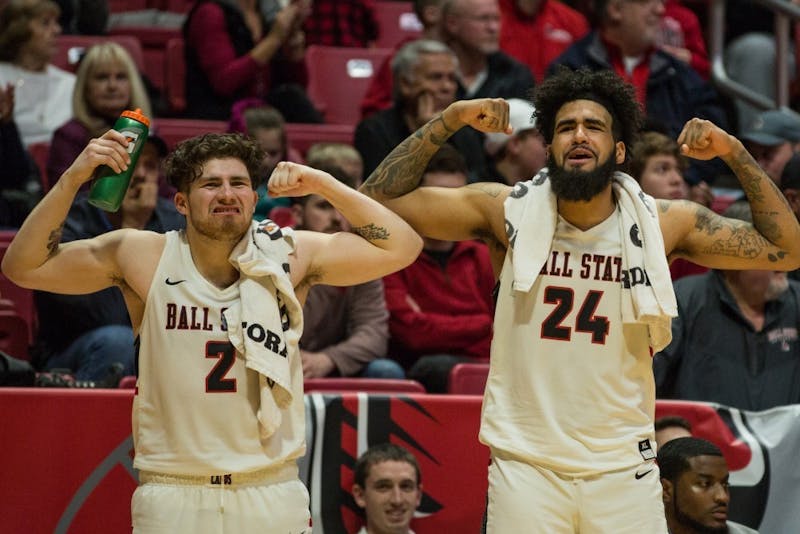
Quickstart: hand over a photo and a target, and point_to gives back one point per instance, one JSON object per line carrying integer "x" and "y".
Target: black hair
{"x": 603, "y": 87}
{"x": 674, "y": 455}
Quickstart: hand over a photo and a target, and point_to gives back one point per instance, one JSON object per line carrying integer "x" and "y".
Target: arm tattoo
{"x": 53, "y": 240}
{"x": 401, "y": 171}
{"x": 706, "y": 221}
{"x": 370, "y": 232}
{"x": 742, "y": 243}
{"x": 754, "y": 180}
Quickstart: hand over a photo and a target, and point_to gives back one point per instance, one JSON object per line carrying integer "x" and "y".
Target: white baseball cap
{"x": 520, "y": 118}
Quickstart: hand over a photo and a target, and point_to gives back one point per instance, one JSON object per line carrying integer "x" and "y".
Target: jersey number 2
{"x": 226, "y": 354}
{"x": 587, "y": 321}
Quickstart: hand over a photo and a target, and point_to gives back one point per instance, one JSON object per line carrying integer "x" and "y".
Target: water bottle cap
{"x": 137, "y": 116}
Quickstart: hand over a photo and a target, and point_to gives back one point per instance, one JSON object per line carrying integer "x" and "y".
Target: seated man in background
{"x": 441, "y": 306}
{"x": 388, "y": 486}
{"x": 520, "y": 155}
{"x": 671, "y": 427}
{"x": 735, "y": 338}
{"x": 694, "y": 476}
{"x": 772, "y": 138}
{"x": 345, "y": 331}
{"x": 88, "y": 333}
{"x": 424, "y": 77}
{"x": 341, "y": 155}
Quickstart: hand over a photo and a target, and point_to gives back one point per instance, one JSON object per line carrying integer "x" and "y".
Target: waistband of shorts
{"x": 270, "y": 475}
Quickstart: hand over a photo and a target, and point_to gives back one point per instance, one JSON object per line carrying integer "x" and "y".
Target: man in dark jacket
{"x": 670, "y": 91}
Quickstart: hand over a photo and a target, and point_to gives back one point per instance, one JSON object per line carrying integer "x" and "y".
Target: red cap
{"x": 137, "y": 116}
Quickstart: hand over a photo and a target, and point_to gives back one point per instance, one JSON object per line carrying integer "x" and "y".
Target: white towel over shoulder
{"x": 531, "y": 215}
{"x": 266, "y": 324}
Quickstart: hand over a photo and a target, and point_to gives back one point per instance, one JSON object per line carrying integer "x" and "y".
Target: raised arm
{"x": 381, "y": 242}
{"x": 453, "y": 214}
{"x": 694, "y": 232}
{"x": 36, "y": 259}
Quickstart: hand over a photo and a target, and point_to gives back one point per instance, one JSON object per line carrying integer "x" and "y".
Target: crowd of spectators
{"x": 245, "y": 65}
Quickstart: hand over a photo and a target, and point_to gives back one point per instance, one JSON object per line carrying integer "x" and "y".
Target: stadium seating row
{"x": 338, "y": 77}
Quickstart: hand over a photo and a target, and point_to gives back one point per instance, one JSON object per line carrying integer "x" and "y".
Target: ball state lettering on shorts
{"x": 595, "y": 267}
{"x": 181, "y": 317}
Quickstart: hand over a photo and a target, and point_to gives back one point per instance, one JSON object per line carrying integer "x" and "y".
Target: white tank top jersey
{"x": 570, "y": 388}
{"x": 195, "y": 409}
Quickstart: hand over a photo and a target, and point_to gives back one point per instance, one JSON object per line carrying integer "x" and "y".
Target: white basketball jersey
{"x": 195, "y": 409}
{"x": 570, "y": 388}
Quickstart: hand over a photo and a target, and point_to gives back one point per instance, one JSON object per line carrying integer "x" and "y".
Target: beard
{"x": 226, "y": 230}
{"x": 693, "y": 524}
{"x": 578, "y": 185}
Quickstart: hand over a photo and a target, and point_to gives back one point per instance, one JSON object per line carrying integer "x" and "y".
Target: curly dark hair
{"x": 603, "y": 87}
{"x": 186, "y": 162}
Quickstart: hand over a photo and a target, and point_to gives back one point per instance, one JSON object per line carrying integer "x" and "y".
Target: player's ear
{"x": 619, "y": 152}
{"x": 667, "y": 491}
{"x": 181, "y": 203}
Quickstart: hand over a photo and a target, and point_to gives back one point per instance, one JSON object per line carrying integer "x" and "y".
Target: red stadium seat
{"x": 72, "y": 47}
{"x": 14, "y": 335}
{"x": 397, "y": 22}
{"x": 40, "y": 152}
{"x": 154, "y": 42}
{"x": 338, "y": 77}
{"x": 173, "y": 131}
{"x": 127, "y": 382}
{"x": 175, "y": 75}
{"x": 20, "y": 296}
{"x": 370, "y": 385}
{"x": 468, "y": 378}
{"x": 302, "y": 136}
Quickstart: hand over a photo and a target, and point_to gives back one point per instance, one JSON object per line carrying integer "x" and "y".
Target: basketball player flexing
{"x": 569, "y": 403}
{"x": 204, "y": 464}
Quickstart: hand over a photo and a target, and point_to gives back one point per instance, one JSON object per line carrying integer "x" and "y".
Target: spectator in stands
{"x": 658, "y": 165}
{"x": 671, "y": 427}
{"x": 682, "y": 36}
{"x": 89, "y": 333}
{"x": 388, "y": 486}
{"x": 345, "y": 329}
{"x": 735, "y": 340}
{"x": 341, "y": 155}
{"x": 535, "y": 32}
{"x": 772, "y": 138}
{"x": 336, "y": 23}
{"x": 441, "y": 306}
{"x": 471, "y": 28}
{"x": 424, "y": 73}
{"x": 232, "y": 53}
{"x": 520, "y": 155}
{"x": 694, "y": 477}
{"x": 28, "y": 41}
{"x": 379, "y": 92}
{"x": 107, "y": 83}
{"x": 266, "y": 125}
{"x": 17, "y": 197}
{"x": 670, "y": 91}
{"x": 790, "y": 186}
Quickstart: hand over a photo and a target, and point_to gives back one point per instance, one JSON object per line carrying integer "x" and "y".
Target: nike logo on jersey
{"x": 640, "y": 475}
{"x": 175, "y": 283}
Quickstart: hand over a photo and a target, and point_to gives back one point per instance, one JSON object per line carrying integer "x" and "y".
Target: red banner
{"x": 66, "y": 459}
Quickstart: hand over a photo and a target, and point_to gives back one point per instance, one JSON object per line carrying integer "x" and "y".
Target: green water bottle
{"x": 108, "y": 187}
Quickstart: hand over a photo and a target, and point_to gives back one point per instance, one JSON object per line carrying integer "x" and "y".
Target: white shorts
{"x": 270, "y": 501}
{"x": 527, "y": 498}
